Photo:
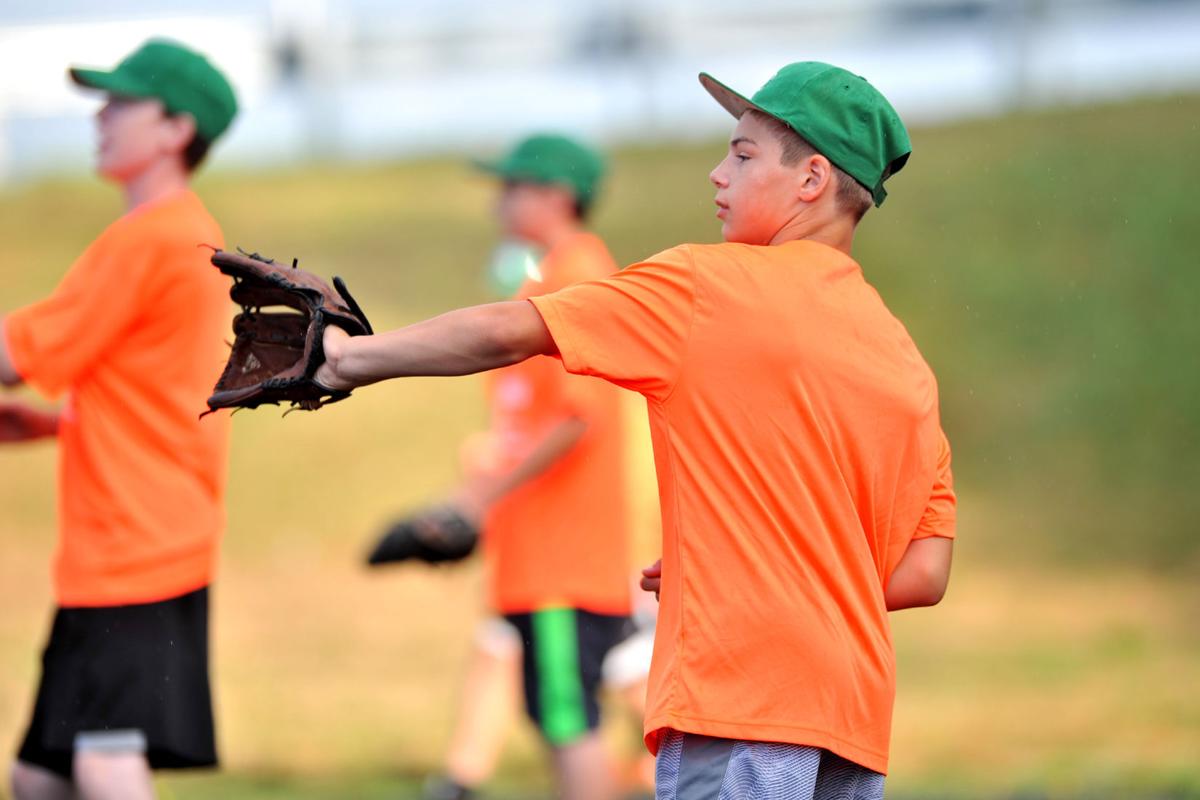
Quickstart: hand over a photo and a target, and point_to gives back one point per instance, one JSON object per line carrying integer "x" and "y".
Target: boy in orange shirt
{"x": 132, "y": 337}
{"x": 546, "y": 485}
{"x": 803, "y": 474}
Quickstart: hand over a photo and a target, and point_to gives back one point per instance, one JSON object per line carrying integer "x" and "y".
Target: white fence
{"x": 364, "y": 79}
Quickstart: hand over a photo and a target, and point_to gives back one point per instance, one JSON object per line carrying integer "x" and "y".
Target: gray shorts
{"x": 692, "y": 767}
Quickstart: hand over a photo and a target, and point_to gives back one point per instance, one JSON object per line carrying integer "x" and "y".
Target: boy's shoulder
{"x": 168, "y": 241}
{"x": 178, "y": 221}
{"x": 717, "y": 255}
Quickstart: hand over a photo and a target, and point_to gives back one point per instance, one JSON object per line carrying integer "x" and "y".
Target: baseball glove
{"x": 277, "y": 345}
{"x": 435, "y": 536}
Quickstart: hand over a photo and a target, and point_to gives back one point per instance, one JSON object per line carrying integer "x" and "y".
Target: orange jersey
{"x": 133, "y": 335}
{"x": 562, "y": 538}
{"x": 798, "y": 452}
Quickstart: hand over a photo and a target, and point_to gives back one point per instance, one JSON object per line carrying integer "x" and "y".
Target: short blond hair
{"x": 852, "y": 197}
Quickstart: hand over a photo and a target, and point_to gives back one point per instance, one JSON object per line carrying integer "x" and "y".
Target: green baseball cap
{"x": 551, "y": 158}
{"x": 845, "y": 118}
{"x": 182, "y": 79}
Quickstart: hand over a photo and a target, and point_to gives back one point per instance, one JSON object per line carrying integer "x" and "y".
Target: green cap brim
{"x": 111, "y": 82}
{"x": 505, "y": 171}
{"x": 730, "y": 100}
{"x": 490, "y": 167}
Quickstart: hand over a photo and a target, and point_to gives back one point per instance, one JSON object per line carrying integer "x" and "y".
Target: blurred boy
{"x": 488, "y": 703}
{"x": 803, "y": 473}
{"x": 132, "y": 337}
{"x": 546, "y": 481}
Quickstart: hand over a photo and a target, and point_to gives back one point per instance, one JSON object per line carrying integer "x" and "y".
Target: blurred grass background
{"x": 1045, "y": 263}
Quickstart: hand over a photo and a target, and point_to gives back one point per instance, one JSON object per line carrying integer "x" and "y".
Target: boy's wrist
{"x": 332, "y": 373}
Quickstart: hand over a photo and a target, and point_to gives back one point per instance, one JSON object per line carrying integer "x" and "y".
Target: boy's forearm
{"x": 557, "y": 442}
{"x": 460, "y": 342}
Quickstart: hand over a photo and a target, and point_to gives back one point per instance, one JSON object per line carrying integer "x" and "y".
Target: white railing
{"x": 379, "y": 78}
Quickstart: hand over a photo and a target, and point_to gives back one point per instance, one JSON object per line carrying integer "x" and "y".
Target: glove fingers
{"x": 340, "y": 285}
{"x": 398, "y": 544}
{"x": 256, "y": 293}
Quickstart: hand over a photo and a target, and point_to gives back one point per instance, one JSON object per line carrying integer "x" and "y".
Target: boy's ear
{"x": 562, "y": 197}
{"x": 815, "y": 174}
{"x": 181, "y": 129}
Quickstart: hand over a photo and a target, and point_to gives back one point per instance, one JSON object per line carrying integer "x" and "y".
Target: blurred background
{"x": 1041, "y": 247}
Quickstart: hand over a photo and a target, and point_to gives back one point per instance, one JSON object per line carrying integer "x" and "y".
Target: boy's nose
{"x": 716, "y": 177}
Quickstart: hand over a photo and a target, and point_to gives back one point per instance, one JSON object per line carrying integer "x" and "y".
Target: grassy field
{"x": 1046, "y": 264}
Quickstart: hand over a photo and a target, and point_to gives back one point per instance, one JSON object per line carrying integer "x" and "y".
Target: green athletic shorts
{"x": 563, "y": 651}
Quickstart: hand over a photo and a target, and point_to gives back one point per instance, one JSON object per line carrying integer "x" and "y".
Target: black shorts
{"x": 126, "y": 668}
{"x": 563, "y": 651}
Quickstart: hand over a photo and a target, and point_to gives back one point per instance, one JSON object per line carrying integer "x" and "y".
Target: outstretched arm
{"x": 461, "y": 342}
{"x": 8, "y": 373}
{"x": 921, "y": 577}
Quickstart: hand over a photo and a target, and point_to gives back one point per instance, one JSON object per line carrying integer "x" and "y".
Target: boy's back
{"x": 797, "y": 442}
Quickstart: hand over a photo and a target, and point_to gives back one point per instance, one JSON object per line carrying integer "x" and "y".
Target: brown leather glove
{"x": 278, "y": 335}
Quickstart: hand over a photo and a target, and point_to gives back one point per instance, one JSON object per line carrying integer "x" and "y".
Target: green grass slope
{"x": 1046, "y": 264}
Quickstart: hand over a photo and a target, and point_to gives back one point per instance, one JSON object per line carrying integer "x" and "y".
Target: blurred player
{"x": 803, "y": 473}
{"x": 546, "y": 483}
{"x": 489, "y": 696}
{"x": 131, "y": 337}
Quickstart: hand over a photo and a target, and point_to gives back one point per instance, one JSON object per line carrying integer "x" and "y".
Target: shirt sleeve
{"x": 632, "y": 328}
{"x": 56, "y": 341}
{"x": 940, "y": 516}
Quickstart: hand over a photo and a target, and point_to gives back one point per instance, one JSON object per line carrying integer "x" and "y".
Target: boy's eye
{"x": 741, "y": 156}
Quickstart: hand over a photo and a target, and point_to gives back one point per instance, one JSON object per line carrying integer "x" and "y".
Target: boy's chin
{"x": 117, "y": 173}
{"x": 734, "y": 236}
{"x": 123, "y": 167}
{"x": 110, "y": 172}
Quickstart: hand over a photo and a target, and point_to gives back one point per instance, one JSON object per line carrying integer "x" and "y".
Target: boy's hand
{"x": 334, "y": 344}
{"x": 474, "y": 497}
{"x": 275, "y": 354}
{"x": 20, "y": 422}
{"x": 652, "y": 578}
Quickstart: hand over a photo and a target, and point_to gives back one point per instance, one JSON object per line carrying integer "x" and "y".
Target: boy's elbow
{"x": 519, "y": 332}
{"x": 923, "y": 575}
{"x": 914, "y": 592}
{"x": 935, "y": 590}
{"x": 935, "y": 578}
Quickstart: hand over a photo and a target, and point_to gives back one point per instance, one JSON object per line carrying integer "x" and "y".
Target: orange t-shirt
{"x": 133, "y": 335}
{"x": 561, "y": 538}
{"x": 798, "y": 452}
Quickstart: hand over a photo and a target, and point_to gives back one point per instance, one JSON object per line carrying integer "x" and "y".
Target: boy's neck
{"x": 555, "y": 234}
{"x": 834, "y": 230}
{"x": 161, "y": 179}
